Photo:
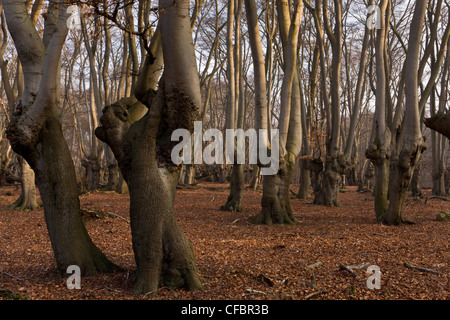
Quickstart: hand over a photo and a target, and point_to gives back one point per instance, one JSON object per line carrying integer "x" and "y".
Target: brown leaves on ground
{"x": 240, "y": 260}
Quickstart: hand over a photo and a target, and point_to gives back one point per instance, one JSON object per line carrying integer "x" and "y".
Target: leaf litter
{"x": 240, "y": 260}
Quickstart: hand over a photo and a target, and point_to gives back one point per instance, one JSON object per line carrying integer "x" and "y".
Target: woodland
{"x": 356, "y": 92}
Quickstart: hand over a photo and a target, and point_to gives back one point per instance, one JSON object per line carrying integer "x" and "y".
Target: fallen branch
{"x": 436, "y": 197}
{"x": 350, "y": 270}
{"x": 118, "y": 216}
{"x": 314, "y": 265}
{"x": 12, "y": 276}
{"x": 314, "y": 285}
{"x": 359, "y": 266}
{"x": 410, "y": 266}
{"x": 315, "y": 293}
{"x": 251, "y": 291}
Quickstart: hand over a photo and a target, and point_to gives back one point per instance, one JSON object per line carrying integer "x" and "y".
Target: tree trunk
{"x": 276, "y": 204}
{"x": 416, "y": 190}
{"x": 261, "y": 108}
{"x": 122, "y": 187}
{"x": 92, "y": 172}
{"x": 328, "y": 194}
{"x": 254, "y": 182}
{"x": 235, "y": 112}
{"x": 305, "y": 180}
{"x": 55, "y": 177}
{"x": 379, "y": 150}
{"x": 27, "y": 199}
{"x": 234, "y": 201}
{"x": 413, "y": 143}
{"x": 275, "y": 201}
{"x": 164, "y": 257}
{"x": 189, "y": 176}
{"x": 330, "y": 180}
{"x": 113, "y": 170}
{"x": 36, "y": 134}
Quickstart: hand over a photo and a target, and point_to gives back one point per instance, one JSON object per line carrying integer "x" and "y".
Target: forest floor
{"x": 240, "y": 260}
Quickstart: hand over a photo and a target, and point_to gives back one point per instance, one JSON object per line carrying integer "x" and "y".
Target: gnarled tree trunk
{"x": 164, "y": 256}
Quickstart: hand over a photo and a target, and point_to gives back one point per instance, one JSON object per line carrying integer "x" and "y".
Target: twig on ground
{"x": 410, "y": 266}
{"x": 251, "y": 291}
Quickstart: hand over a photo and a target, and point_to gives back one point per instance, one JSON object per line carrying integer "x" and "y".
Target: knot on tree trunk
{"x": 115, "y": 122}
{"x": 23, "y": 134}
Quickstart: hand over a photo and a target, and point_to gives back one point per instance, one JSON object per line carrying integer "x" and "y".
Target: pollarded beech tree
{"x": 35, "y": 133}
{"x": 413, "y": 141}
{"x": 275, "y": 202}
{"x": 164, "y": 257}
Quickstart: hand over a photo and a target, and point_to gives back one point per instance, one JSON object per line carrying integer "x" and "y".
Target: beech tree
{"x": 275, "y": 200}
{"x": 164, "y": 256}
{"x": 35, "y": 134}
{"x": 27, "y": 199}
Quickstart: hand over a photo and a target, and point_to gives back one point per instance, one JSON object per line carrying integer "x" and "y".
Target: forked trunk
{"x": 36, "y": 134}
{"x": 142, "y": 147}
{"x": 55, "y": 176}
{"x": 413, "y": 142}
